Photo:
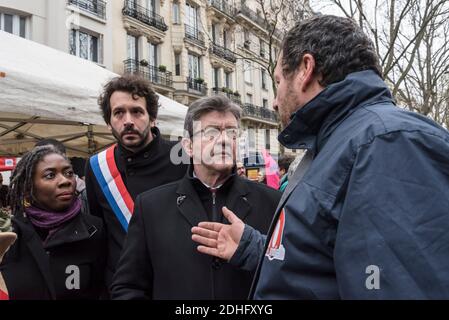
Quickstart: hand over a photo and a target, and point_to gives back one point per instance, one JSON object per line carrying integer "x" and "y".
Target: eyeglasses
{"x": 212, "y": 133}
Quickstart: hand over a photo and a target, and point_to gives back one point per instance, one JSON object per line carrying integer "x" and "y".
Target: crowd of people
{"x": 363, "y": 215}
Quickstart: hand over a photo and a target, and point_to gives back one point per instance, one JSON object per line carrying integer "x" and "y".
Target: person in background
{"x": 60, "y": 252}
{"x": 261, "y": 177}
{"x": 3, "y": 193}
{"x": 241, "y": 169}
{"x": 284, "y": 165}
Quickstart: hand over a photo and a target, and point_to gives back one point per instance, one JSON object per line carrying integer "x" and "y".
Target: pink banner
{"x": 271, "y": 170}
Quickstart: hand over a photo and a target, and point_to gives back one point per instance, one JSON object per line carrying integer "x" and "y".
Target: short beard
{"x": 138, "y": 145}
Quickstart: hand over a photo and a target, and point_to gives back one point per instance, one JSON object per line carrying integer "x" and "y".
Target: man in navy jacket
{"x": 366, "y": 215}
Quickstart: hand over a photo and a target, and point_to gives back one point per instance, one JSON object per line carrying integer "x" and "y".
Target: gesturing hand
{"x": 218, "y": 239}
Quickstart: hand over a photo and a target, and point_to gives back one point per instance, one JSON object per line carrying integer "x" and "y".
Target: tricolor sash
{"x": 111, "y": 183}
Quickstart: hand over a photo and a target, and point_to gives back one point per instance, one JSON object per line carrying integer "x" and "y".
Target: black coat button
{"x": 130, "y": 159}
{"x": 216, "y": 264}
{"x": 146, "y": 155}
{"x": 131, "y": 173}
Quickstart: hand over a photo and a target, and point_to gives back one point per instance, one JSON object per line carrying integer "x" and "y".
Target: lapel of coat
{"x": 37, "y": 251}
{"x": 237, "y": 200}
{"x": 189, "y": 204}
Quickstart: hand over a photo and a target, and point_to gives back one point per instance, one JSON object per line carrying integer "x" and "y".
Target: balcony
{"x": 227, "y": 93}
{"x": 95, "y": 7}
{"x": 194, "y": 35}
{"x": 259, "y": 20}
{"x": 253, "y": 16}
{"x": 223, "y": 7}
{"x": 149, "y": 72}
{"x": 144, "y": 15}
{"x": 197, "y": 87}
{"x": 222, "y": 52}
{"x": 252, "y": 111}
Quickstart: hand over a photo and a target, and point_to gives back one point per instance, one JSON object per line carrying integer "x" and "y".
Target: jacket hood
{"x": 313, "y": 123}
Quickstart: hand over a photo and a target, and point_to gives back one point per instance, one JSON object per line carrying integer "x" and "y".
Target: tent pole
{"x": 90, "y": 140}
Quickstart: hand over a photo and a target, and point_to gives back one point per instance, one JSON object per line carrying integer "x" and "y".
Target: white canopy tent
{"x": 46, "y": 93}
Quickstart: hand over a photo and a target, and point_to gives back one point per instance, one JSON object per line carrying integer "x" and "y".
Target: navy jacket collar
{"x": 311, "y": 125}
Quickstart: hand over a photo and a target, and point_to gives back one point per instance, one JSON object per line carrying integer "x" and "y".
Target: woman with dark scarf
{"x": 60, "y": 250}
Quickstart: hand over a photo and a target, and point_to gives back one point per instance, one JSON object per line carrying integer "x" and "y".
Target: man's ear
{"x": 152, "y": 123}
{"x": 187, "y": 145}
{"x": 109, "y": 127}
{"x": 307, "y": 72}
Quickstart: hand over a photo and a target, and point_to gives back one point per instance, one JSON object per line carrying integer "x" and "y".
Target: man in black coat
{"x": 141, "y": 159}
{"x": 160, "y": 260}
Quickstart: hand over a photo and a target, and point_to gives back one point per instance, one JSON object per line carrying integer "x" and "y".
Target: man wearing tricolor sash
{"x": 138, "y": 162}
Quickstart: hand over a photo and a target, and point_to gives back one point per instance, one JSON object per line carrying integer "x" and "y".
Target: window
{"x": 265, "y": 103}
{"x": 177, "y": 64}
{"x": 84, "y": 45}
{"x": 132, "y": 47}
{"x": 263, "y": 78}
{"x": 191, "y": 16}
{"x": 216, "y": 77}
{"x": 267, "y": 139}
{"x": 152, "y": 59}
{"x": 248, "y": 72}
{"x": 251, "y": 138}
{"x": 262, "y": 48}
{"x": 13, "y": 24}
{"x": 214, "y": 34}
{"x": 194, "y": 66}
{"x": 22, "y": 27}
{"x": 176, "y": 13}
{"x": 249, "y": 98}
{"x": 151, "y": 7}
{"x": 8, "y": 23}
{"x": 246, "y": 39}
{"x": 225, "y": 38}
{"x": 228, "y": 79}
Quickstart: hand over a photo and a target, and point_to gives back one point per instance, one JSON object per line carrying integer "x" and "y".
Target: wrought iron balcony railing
{"x": 259, "y": 20}
{"x": 194, "y": 34}
{"x": 196, "y": 86}
{"x": 228, "y": 93}
{"x": 250, "y": 110}
{"x": 149, "y": 72}
{"x": 222, "y": 52}
{"x": 223, "y": 6}
{"x": 96, "y": 7}
{"x": 253, "y": 16}
{"x": 144, "y": 15}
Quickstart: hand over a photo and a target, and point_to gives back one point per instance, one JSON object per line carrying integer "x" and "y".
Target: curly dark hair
{"x": 137, "y": 87}
{"x": 338, "y": 45}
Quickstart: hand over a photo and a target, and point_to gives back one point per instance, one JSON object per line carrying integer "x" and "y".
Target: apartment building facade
{"x": 187, "y": 48}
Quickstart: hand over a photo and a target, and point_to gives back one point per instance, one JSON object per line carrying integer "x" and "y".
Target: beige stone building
{"x": 187, "y": 48}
